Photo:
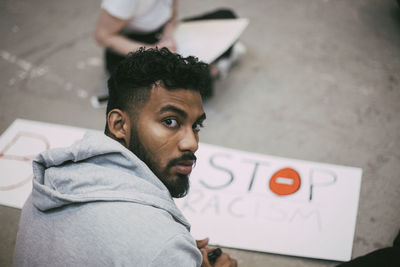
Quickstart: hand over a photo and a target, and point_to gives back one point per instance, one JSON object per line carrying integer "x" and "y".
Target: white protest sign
{"x": 271, "y": 204}
{"x": 208, "y": 39}
{"x": 238, "y": 199}
{"x": 19, "y": 145}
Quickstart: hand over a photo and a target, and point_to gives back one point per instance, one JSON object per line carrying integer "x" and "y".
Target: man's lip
{"x": 184, "y": 167}
{"x": 185, "y": 162}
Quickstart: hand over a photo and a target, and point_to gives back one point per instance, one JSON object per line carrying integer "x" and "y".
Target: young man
{"x": 107, "y": 199}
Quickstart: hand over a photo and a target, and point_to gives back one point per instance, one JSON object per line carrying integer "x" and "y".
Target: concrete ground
{"x": 320, "y": 82}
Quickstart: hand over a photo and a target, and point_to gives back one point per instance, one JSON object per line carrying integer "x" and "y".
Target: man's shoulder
{"x": 107, "y": 231}
{"x": 127, "y": 219}
{"x": 142, "y": 231}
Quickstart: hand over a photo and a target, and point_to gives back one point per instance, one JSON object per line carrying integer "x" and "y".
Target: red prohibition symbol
{"x": 285, "y": 182}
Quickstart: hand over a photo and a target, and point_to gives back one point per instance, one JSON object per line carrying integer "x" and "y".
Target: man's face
{"x": 165, "y": 135}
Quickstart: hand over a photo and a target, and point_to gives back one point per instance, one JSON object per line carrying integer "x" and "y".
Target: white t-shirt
{"x": 143, "y": 15}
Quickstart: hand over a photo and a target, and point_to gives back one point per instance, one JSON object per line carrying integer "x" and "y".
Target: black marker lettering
{"x": 253, "y": 176}
{"x": 323, "y": 181}
{"x": 212, "y": 203}
{"x": 231, "y": 207}
{"x": 229, "y": 172}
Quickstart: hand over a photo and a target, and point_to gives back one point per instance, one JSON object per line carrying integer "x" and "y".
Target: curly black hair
{"x": 130, "y": 84}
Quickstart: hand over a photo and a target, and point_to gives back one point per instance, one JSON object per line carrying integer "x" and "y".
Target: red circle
{"x": 285, "y": 182}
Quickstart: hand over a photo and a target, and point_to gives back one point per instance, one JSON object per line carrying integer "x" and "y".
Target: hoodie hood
{"x": 97, "y": 168}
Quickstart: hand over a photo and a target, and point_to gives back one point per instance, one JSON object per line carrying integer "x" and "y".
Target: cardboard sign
{"x": 19, "y": 145}
{"x": 238, "y": 199}
{"x": 208, "y": 39}
{"x": 272, "y": 204}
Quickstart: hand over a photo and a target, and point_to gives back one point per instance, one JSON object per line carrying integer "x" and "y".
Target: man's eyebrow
{"x": 202, "y": 117}
{"x": 171, "y": 108}
{"x": 182, "y": 113}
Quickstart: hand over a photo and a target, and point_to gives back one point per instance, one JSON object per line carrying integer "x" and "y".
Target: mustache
{"x": 184, "y": 157}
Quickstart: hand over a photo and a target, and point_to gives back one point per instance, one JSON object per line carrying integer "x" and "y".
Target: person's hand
{"x": 202, "y": 243}
{"x": 222, "y": 261}
{"x": 168, "y": 38}
{"x": 168, "y": 43}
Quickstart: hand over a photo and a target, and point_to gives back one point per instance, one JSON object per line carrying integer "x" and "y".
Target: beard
{"x": 178, "y": 187}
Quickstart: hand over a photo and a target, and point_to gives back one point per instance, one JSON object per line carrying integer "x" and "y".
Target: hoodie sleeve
{"x": 178, "y": 251}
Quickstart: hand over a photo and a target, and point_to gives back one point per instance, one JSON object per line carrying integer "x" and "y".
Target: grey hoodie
{"x": 96, "y": 204}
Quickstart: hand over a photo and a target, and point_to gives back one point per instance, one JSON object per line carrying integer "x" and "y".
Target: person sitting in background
{"x": 388, "y": 257}
{"x": 125, "y": 25}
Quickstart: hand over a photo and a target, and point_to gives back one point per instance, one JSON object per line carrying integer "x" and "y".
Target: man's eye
{"x": 197, "y": 127}
{"x": 170, "y": 123}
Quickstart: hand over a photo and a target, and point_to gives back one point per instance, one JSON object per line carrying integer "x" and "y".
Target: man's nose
{"x": 188, "y": 141}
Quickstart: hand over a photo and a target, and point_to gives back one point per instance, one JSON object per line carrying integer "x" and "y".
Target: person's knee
{"x": 225, "y": 13}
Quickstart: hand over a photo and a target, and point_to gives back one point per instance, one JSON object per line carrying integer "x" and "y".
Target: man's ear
{"x": 119, "y": 126}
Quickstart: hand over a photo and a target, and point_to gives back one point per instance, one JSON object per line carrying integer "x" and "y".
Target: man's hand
{"x": 202, "y": 243}
{"x": 222, "y": 261}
